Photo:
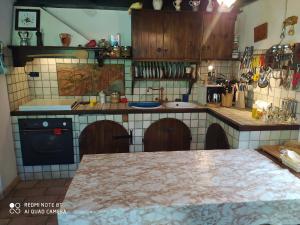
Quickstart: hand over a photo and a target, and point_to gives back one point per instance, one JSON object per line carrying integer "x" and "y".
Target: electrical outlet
{"x": 34, "y": 74}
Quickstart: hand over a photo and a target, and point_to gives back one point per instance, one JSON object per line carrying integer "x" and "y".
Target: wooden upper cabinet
{"x": 166, "y": 35}
{"x": 147, "y": 34}
{"x": 182, "y": 36}
{"x": 218, "y": 36}
{"x": 193, "y": 35}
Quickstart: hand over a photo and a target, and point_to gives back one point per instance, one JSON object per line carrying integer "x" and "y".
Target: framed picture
{"x": 27, "y": 19}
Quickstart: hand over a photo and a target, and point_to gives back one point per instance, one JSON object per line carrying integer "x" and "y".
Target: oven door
{"x": 47, "y": 147}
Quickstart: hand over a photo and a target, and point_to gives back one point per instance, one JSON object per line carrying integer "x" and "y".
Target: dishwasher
{"x": 46, "y": 141}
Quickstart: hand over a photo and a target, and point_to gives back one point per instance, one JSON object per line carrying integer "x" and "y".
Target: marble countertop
{"x": 224, "y": 187}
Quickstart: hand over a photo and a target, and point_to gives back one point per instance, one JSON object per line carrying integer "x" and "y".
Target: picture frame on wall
{"x": 27, "y": 19}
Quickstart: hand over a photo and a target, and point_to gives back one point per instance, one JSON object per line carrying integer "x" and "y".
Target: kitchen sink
{"x": 144, "y": 105}
{"x": 180, "y": 105}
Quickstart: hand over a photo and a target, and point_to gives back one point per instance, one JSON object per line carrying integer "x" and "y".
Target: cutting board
{"x": 273, "y": 150}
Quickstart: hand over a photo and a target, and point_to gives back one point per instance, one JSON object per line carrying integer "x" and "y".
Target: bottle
{"x": 254, "y": 111}
{"x": 39, "y": 38}
{"x": 93, "y": 101}
{"x": 102, "y": 97}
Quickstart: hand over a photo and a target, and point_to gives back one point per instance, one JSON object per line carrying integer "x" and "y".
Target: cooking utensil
{"x": 296, "y": 77}
{"x": 263, "y": 81}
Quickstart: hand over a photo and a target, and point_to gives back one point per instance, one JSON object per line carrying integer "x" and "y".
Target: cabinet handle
{"x": 158, "y": 49}
{"x": 118, "y": 137}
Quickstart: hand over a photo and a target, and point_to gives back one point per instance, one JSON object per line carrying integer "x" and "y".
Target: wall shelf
{"x": 161, "y": 79}
{"x": 22, "y": 54}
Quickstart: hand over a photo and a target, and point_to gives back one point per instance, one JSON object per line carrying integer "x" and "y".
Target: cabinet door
{"x": 218, "y": 36}
{"x": 182, "y": 35}
{"x": 104, "y": 137}
{"x": 193, "y": 35}
{"x": 174, "y": 37}
{"x": 147, "y": 35}
{"x": 167, "y": 135}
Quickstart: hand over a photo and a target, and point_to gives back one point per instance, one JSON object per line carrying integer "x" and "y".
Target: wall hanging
{"x": 89, "y": 79}
{"x": 27, "y": 19}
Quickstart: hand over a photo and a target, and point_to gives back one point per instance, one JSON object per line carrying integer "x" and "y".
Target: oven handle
{"x": 44, "y": 130}
{"x": 47, "y": 152}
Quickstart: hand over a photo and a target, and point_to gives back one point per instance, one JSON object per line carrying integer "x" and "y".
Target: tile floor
{"x": 46, "y": 191}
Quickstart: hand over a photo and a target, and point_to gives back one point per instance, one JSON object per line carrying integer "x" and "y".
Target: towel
{"x": 3, "y": 68}
{"x": 291, "y": 159}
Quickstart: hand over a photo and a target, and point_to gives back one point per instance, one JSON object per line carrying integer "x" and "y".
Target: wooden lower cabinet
{"x": 167, "y": 135}
{"x": 104, "y": 137}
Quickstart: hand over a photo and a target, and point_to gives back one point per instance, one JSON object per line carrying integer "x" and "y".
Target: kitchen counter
{"x": 238, "y": 119}
{"x": 229, "y": 187}
{"x": 242, "y": 120}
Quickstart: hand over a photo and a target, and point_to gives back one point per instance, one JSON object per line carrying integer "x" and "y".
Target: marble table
{"x": 220, "y": 187}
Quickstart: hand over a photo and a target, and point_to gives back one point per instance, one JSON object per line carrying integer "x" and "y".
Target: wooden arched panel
{"x": 167, "y": 135}
{"x": 103, "y": 137}
{"x": 216, "y": 138}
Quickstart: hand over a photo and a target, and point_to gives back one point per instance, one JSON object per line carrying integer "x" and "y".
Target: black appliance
{"x": 214, "y": 94}
{"x": 46, "y": 141}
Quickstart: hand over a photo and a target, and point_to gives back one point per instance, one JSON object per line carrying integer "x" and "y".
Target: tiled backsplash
{"x": 17, "y": 83}
{"x": 228, "y": 68}
{"x": 23, "y": 88}
{"x": 273, "y": 93}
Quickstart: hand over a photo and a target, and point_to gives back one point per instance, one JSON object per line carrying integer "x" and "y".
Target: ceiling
{"x": 110, "y": 4}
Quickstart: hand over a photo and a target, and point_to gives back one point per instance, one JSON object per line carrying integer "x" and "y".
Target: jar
{"x": 126, "y": 51}
{"x": 259, "y": 114}
{"x": 254, "y": 111}
{"x": 115, "y": 97}
{"x": 116, "y": 52}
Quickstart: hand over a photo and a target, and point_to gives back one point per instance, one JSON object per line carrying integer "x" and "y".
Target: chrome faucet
{"x": 161, "y": 92}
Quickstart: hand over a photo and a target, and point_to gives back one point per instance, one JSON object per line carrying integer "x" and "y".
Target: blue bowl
{"x": 144, "y": 104}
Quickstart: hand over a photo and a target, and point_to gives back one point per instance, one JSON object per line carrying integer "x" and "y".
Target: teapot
{"x": 176, "y": 4}
{"x": 195, "y": 4}
{"x": 25, "y": 38}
